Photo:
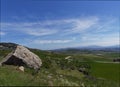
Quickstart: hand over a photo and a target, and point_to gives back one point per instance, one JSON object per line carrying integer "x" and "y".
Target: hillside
{"x": 63, "y": 69}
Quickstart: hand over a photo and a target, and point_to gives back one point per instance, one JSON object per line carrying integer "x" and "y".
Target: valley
{"x": 67, "y": 68}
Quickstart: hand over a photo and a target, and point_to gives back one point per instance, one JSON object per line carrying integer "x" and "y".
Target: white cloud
{"x": 106, "y": 26}
{"x": 49, "y": 27}
{"x": 51, "y": 41}
{"x": 101, "y": 40}
{"x": 40, "y": 32}
{"x": 86, "y": 31}
{"x": 105, "y": 42}
{"x": 93, "y": 26}
{"x": 81, "y": 25}
{"x": 2, "y": 33}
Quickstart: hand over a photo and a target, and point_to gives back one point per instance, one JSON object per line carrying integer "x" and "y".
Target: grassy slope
{"x": 4, "y": 53}
{"x": 52, "y": 74}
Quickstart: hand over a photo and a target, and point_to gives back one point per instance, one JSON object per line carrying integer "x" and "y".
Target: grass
{"x": 9, "y": 76}
{"x": 56, "y": 71}
{"x": 108, "y": 71}
{"x": 4, "y": 53}
{"x": 74, "y": 73}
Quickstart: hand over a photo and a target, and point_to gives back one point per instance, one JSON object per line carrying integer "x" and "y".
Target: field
{"x": 57, "y": 71}
{"x": 108, "y": 71}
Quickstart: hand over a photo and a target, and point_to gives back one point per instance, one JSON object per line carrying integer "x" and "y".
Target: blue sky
{"x": 60, "y": 24}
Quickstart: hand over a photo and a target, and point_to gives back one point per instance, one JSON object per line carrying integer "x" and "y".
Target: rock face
{"x": 22, "y": 56}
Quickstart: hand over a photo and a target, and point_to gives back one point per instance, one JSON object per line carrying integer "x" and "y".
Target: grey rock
{"x": 22, "y": 56}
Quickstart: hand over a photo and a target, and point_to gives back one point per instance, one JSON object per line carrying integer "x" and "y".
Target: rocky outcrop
{"x": 21, "y": 56}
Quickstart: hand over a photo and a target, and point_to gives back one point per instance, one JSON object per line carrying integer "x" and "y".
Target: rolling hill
{"x": 61, "y": 68}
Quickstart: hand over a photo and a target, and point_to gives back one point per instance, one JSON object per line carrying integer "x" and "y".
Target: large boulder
{"x": 21, "y": 56}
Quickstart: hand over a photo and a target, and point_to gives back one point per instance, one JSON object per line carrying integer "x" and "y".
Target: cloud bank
{"x": 90, "y": 30}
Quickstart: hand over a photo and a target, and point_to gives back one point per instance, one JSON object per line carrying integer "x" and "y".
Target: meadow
{"x": 57, "y": 71}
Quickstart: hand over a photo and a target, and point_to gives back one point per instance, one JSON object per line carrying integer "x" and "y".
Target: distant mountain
{"x": 97, "y": 47}
{"x": 89, "y": 49}
{"x": 86, "y": 49}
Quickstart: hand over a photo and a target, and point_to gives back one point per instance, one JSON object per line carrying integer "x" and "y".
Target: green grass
{"x": 112, "y": 55}
{"x": 74, "y": 73}
{"x": 107, "y": 71}
{"x": 57, "y": 71}
{"x": 9, "y": 76}
{"x": 4, "y": 53}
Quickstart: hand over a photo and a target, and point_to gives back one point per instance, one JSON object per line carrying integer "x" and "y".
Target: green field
{"x": 107, "y": 71}
{"x": 57, "y": 71}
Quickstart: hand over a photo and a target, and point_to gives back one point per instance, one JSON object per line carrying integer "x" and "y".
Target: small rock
{"x": 68, "y": 57}
{"x": 21, "y": 68}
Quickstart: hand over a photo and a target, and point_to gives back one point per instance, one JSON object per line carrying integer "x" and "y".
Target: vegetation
{"x": 4, "y": 53}
{"x": 108, "y": 71}
{"x": 58, "y": 70}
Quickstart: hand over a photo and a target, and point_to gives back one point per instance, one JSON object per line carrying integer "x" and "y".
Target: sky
{"x": 45, "y": 24}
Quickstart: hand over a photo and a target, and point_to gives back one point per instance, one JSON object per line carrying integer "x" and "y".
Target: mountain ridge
{"x": 11, "y": 46}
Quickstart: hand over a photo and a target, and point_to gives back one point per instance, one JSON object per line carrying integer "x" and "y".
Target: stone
{"x": 21, "y": 68}
{"x": 21, "y": 56}
{"x": 68, "y": 57}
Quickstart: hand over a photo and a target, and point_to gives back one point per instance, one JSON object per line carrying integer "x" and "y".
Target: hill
{"x": 7, "y": 46}
{"x": 61, "y": 69}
